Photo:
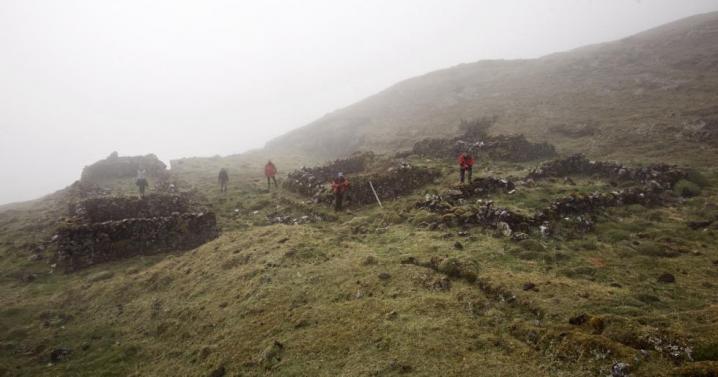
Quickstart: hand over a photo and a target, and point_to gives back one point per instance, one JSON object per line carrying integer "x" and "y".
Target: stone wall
{"x": 389, "y": 184}
{"x": 662, "y": 174}
{"x": 502, "y": 147}
{"x": 83, "y": 245}
{"x": 312, "y": 181}
{"x": 103, "y": 229}
{"x": 98, "y": 209}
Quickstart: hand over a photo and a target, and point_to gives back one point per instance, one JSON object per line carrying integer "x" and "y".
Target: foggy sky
{"x": 80, "y": 79}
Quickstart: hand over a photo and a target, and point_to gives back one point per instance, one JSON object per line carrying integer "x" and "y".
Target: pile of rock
{"x": 662, "y": 175}
{"x": 578, "y": 203}
{"x": 389, "y": 185}
{"x": 114, "y": 228}
{"x": 115, "y": 166}
{"x": 572, "y": 211}
{"x": 502, "y": 147}
{"x": 312, "y": 182}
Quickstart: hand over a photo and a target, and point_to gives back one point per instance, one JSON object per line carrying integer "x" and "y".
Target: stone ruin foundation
{"x": 389, "y": 183}
{"x": 104, "y": 229}
{"x": 115, "y": 166}
{"x": 653, "y": 185}
{"x": 662, "y": 175}
{"x": 515, "y": 148}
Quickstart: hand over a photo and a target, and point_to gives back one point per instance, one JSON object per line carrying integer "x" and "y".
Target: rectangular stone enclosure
{"x": 113, "y": 228}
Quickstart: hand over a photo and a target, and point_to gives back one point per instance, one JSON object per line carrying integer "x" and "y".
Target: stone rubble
{"x": 515, "y": 148}
{"x": 661, "y": 175}
{"x": 389, "y": 184}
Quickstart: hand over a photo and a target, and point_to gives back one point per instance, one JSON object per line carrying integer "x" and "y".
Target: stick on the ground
{"x": 375, "y": 195}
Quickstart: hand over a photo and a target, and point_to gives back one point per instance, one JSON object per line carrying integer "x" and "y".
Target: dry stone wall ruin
{"x": 389, "y": 183}
{"x": 652, "y": 187}
{"x": 103, "y": 229}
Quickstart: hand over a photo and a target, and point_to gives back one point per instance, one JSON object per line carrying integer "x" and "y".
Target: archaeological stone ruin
{"x": 103, "y": 229}
{"x": 651, "y": 186}
{"x": 115, "y": 166}
{"x": 476, "y": 140}
{"x": 389, "y": 181}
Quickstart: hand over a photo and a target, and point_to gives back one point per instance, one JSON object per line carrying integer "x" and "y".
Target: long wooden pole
{"x": 375, "y": 195}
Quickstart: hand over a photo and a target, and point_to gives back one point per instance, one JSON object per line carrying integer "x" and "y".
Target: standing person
{"x": 270, "y": 171}
{"x": 340, "y": 185}
{"x": 223, "y": 179}
{"x": 141, "y": 182}
{"x": 466, "y": 164}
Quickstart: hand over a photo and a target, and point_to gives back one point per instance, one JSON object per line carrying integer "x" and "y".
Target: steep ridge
{"x": 651, "y": 87}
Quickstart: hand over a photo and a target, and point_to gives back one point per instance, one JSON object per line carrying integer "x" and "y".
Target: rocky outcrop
{"x": 113, "y": 228}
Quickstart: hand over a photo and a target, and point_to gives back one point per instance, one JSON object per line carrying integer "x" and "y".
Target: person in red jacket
{"x": 466, "y": 164}
{"x": 270, "y": 171}
{"x": 340, "y": 185}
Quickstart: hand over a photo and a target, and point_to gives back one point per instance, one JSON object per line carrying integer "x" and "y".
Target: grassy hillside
{"x": 355, "y": 296}
{"x": 646, "y": 92}
{"x": 403, "y": 290}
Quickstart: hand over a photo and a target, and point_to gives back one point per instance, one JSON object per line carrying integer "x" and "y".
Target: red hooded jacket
{"x": 466, "y": 161}
{"x": 270, "y": 170}
{"x": 340, "y": 185}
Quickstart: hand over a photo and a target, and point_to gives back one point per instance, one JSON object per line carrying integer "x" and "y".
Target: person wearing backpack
{"x": 270, "y": 170}
{"x": 466, "y": 165}
{"x": 223, "y": 179}
{"x": 340, "y": 185}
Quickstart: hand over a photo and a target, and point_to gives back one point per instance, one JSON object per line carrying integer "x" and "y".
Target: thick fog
{"x": 80, "y": 79}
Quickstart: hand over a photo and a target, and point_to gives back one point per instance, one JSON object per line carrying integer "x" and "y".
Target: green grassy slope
{"x": 341, "y": 299}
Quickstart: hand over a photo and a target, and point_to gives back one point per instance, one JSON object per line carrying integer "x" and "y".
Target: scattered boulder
{"x": 528, "y": 286}
{"x": 620, "y": 370}
{"x": 384, "y": 276}
{"x": 59, "y": 354}
{"x": 666, "y": 278}
{"x": 271, "y": 355}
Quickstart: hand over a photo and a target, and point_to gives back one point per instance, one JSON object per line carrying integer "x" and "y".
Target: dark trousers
{"x": 338, "y": 201}
{"x": 463, "y": 171}
{"x": 269, "y": 182}
{"x": 223, "y": 186}
{"x": 142, "y": 184}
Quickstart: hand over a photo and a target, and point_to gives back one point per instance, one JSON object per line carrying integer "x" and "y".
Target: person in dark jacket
{"x": 270, "y": 171}
{"x": 340, "y": 186}
{"x": 141, "y": 182}
{"x": 466, "y": 165}
{"x": 223, "y": 179}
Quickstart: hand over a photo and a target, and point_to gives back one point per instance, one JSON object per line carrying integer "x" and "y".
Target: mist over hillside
{"x": 645, "y": 89}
